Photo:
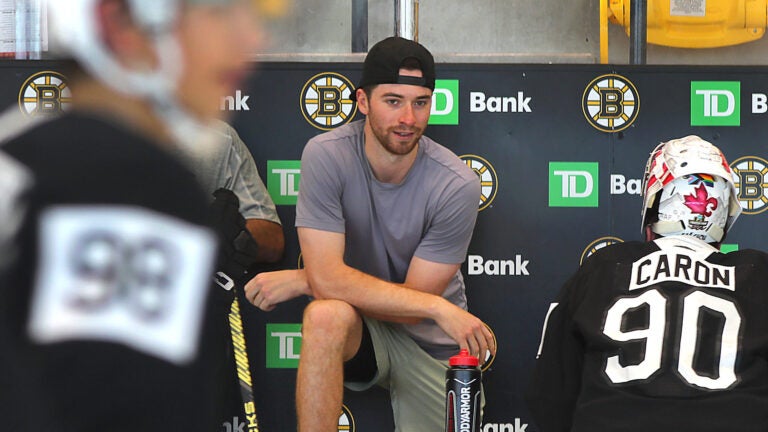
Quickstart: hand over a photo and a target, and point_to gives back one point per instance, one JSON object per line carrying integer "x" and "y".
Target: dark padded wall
{"x": 556, "y": 185}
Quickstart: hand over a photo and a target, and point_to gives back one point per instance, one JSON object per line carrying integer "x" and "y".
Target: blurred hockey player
{"x": 106, "y": 303}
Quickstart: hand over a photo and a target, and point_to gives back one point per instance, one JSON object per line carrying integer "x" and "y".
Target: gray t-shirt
{"x": 431, "y": 214}
{"x": 227, "y": 163}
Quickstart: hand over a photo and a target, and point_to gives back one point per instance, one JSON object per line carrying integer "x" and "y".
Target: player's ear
{"x": 362, "y": 101}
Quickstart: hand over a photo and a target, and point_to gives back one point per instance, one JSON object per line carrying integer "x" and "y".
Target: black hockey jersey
{"x": 106, "y": 303}
{"x": 669, "y": 335}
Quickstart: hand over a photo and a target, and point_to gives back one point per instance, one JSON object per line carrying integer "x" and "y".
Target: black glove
{"x": 238, "y": 248}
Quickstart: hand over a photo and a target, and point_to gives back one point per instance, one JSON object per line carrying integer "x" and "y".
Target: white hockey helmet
{"x": 692, "y": 185}
{"x": 74, "y": 31}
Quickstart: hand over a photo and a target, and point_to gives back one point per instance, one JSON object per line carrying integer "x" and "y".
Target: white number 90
{"x": 654, "y": 338}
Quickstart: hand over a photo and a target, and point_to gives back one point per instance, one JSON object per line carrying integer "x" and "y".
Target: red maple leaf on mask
{"x": 700, "y": 201}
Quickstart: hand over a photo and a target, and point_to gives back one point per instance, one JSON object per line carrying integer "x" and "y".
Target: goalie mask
{"x": 691, "y": 184}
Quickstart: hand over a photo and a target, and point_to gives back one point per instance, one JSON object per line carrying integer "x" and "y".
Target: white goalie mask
{"x": 694, "y": 205}
{"x": 692, "y": 184}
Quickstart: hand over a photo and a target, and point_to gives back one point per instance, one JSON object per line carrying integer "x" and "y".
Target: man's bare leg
{"x": 331, "y": 334}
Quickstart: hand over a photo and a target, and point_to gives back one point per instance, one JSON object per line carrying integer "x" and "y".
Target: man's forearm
{"x": 376, "y": 297}
{"x": 269, "y": 237}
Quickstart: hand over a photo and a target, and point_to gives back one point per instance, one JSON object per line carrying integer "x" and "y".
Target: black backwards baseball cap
{"x": 384, "y": 60}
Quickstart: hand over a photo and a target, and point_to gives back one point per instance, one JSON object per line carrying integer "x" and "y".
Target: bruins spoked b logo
{"x": 597, "y": 245}
{"x": 610, "y": 103}
{"x": 488, "y": 180}
{"x": 752, "y": 183}
{"x": 346, "y": 421}
{"x": 44, "y": 93}
{"x": 327, "y": 100}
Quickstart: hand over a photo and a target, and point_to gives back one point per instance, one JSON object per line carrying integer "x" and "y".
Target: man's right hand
{"x": 467, "y": 330}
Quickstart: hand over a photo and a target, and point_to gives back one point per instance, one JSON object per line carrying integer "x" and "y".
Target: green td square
{"x": 283, "y": 346}
{"x": 715, "y": 103}
{"x": 445, "y": 103}
{"x": 573, "y": 184}
{"x": 283, "y": 181}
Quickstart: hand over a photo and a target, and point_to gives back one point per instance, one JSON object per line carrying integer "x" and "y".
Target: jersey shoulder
{"x": 80, "y": 158}
{"x": 743, "y": 257}
{"x": 619, "y": 253}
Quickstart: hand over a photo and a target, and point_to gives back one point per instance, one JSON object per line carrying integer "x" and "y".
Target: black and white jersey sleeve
{"x": 556, "y": 382}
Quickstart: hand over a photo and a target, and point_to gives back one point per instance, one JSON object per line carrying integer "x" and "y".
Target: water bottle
{"x": 462, "y": 393}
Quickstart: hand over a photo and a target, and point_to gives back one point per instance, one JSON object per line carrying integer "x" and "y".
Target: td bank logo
{"x": 573, "y": 184}
{"x": 477, "y": 265}
{"x": 283, "y": 181}
{"x": 283, "y": 346}
{"x": 517, "y": 426}
{"x": 715, "y": 103}
{"x": 445, "y": 103}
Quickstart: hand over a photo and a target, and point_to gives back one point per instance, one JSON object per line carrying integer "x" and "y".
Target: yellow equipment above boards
{"x": 696, "y": 23}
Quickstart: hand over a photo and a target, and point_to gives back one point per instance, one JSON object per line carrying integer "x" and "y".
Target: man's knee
{"x": 330, "y": 317}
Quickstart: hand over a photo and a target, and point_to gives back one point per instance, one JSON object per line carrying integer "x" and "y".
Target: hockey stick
{"x": 241, "y": 359}
{"x": 242, "y": 252}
